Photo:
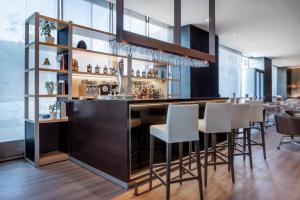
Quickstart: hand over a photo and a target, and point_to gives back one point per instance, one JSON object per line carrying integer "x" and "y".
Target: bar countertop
{"x": 163, "y": 100}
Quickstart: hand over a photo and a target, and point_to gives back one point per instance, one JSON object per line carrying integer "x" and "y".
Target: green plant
{"x": 49, "y": 84}
{"x": 52, "y": 107}
{"x": 46, "y": 27}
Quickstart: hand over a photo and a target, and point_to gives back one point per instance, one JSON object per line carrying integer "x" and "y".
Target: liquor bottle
{"x": 97, "y": 69}
{"x": 138, "y": 74}
{"x": 89, "y": 68}
{"x": 149, "y": 73}
{"x": 143, "y": 74}
{"x": 105, "y": 70}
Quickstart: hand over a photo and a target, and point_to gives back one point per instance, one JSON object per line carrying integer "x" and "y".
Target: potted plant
{"x": 50, "y": 85}
{"x": 52, "y": 110}
{"x": 46, "y": 28}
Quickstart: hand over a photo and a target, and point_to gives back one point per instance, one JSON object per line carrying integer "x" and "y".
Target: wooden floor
{"x": 66, "y": 181}
{"x": 276, "y": 178}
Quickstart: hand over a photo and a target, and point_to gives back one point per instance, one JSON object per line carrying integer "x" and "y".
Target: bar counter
{"x": 111, "y": 137}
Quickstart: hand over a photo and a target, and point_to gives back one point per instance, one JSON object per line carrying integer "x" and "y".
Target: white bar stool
{"x": 240, "y": 119}
{"x": 217, "y": 120}
{"x": 257, "y": 117}
{"x": 181, "y": 126}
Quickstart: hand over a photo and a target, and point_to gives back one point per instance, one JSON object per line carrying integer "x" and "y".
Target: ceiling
{"x": 259, "y": 28}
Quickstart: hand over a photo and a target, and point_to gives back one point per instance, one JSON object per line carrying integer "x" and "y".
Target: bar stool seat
{"x": 181, "y": 126}
{"x": 159, "y": 131}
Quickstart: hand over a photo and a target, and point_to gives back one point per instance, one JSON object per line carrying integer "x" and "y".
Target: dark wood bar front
{"x": 111, "y": 137}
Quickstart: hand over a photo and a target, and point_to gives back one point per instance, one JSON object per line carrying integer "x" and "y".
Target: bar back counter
{"x": 111, "y": 137}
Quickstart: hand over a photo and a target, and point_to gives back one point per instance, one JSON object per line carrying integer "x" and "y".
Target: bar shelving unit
{"x": 46, "y": 140}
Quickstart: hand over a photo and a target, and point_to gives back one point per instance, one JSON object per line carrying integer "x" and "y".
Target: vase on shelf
{"x": 50, "y": 91}
{"x": 53, "y": 115}
{"x": 49, "y": 39}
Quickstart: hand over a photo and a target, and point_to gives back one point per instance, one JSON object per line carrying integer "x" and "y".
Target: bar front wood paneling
{"x": 102, "y": 138}
{"x": 99, "y": 136}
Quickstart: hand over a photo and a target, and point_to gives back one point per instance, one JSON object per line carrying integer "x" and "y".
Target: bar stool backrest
{"x": 240, "y": 116}
{"x": 217, "y": 118}
{"x": 182, "y": 123}
{"x": 256, "y": 112}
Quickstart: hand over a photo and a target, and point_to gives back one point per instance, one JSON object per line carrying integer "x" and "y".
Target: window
{"x": 229, "y": 72}
{"x": 12, "y": 70}
{"x": 44, "y": 7}
{"x": 134, "y": 22}
{"x": 100, "y": 16}
{"x": 78, "y": 11}
{"x": 274, "y": 81}
{"x": 160, "y": 31}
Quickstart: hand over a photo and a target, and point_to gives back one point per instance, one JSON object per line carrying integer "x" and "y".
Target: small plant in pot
{"x": 52, "y": 110}
{"x": 46, "y": 28}
{"x": 50, "y": 85}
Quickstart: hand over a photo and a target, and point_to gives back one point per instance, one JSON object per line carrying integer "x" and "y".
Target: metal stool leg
{"x": 180, "y": 161}
{"x": 151, "y": 160}
{"x": 231, "y": 157}
{"x": 190, "y": 155}
{"x": 263, "y": 139}
{"x": 248, "y": 135}
{"x": 197, "y": 149}
{"x": 214, "y": 143}
{"x": 168, "y": 167}
{"x": 244, "y": 144}
{"x": 205, "y": 158}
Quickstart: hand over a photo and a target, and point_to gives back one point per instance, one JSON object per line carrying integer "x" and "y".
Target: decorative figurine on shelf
{"x": 74, "y": 65}
{"x": 138, "y": 74}
{"x": 46, "y": 62}
{"x": 52, "y": 110}
{"x": 60, "y": 59}
{"x": 50, "y": 85}
{"x": 105, "y": 70}
{"x": 144, "y": 74}
{"x": 89, "y": 68}
{"x": 81, "y": 45}
{"x": 97, "y": 69}
{"x": 46, "y": 28}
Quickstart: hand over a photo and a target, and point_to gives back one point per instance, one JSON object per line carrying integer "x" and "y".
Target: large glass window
{"x": 160, "y": 31}
{"x": 134, "y": 22}
{"x": 78, "y": 11}
{"x": 44, "y": 7}
{"x": 229, "y": 72}
{"x": 12, "y": 19}
{"x": 12, "y": 16}
{"x": 274, "y": 81}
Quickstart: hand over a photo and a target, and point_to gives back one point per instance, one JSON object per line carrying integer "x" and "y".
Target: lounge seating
{"x": 288, "y": 124}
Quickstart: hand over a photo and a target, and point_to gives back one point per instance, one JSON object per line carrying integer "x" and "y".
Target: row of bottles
{"x": 146, "y": 91}
{"x": 151, "y": 73}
